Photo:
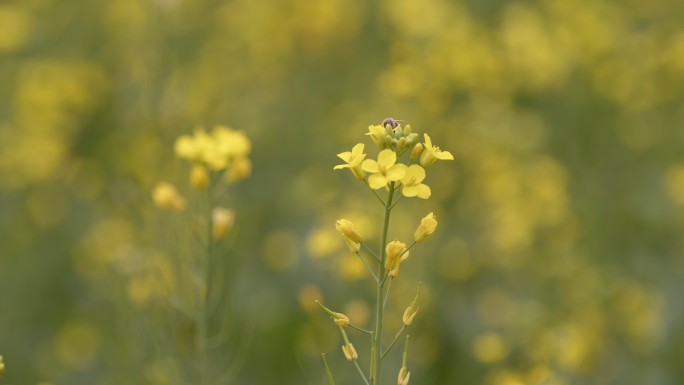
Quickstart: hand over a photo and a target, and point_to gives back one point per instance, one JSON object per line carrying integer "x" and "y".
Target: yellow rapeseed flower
{"x": 353, "y": 159}
{"x": 347, "y": 229}
{"x": 411, "y": 183}
{"x": 2, "y": 367}
{"x": 166, "y": 196}
{"x": 384, "y": 170}
{"x": 340, "y": 319}
{"x": 427, "y": 226}
{"x": 396, "y": 253}
{"x": 432, "y": 153}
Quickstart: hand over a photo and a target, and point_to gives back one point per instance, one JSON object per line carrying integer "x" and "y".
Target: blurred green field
{"x": 558, "y": 259}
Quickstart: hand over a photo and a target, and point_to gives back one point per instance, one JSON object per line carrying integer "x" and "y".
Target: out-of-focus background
{"x": 558, "y": 258}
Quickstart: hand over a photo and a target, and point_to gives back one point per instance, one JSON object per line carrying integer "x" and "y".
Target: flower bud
{"x": 222, "y": 222}
{"x": 403, "y": 377}
{"x": 415, "y": 152}
{"x": 401, "y": 144}
{"x": 427, "y": 226}
{"x": 407, "y": 130}
{"x": 349, "y": 352}
{"x": 396, "y": 253}
{"x": 199, "y": 177}
{"x": 165, "y": 196}
{"x": 409, "y": 315}
{"x": 340, "y": 319}
{"x": 347, "y": 229}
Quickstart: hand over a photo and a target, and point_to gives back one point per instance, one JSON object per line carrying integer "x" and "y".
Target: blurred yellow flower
{"x": 240, "y": 169}
{"x": 166, "y": 196}
{"x": 396, "y": 253}
{"x": 411, "y": 183}
{"x": 2, "y": 366}
{"x": 219, "y": 150}
{"x": 432, "y": 153}
{"x": 384, "y": 170}
{"x": 222, "y": 221}
{"x": 353, "y": 159}
{"x": 347, "y": 229}
{"x": 427, "y": 226}
{"x": 199, "y": 177}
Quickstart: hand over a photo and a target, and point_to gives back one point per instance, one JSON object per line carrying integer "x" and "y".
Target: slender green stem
{"x": 370, "y": 251}
{"x": 327, "y": 370}
{"x": 379, "y": 308}
{"x": 351, "y": 325}
{"x": 361, "y": 372}
{"x": 396, "y": 337}
{"x": 389, "y": 286}
{"x": 203, "y": 321}
{"x": 378, "y": 196}
{"x": 367, "y": 267}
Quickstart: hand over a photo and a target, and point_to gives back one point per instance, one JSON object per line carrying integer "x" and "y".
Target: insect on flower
{"x": 391, "y": 121}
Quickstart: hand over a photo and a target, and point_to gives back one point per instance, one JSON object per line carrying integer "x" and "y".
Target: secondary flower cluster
{"x": 393, "y": 141}
{"x": 221, "y": 149}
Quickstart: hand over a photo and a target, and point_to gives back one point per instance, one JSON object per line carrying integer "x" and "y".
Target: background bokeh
{"x": 559, "y": 256}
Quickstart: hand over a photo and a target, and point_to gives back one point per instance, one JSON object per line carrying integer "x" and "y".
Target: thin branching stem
{"x": 396, "y": 337}
{"x": 370, "y": 270}
{"x": 370, "y": 251}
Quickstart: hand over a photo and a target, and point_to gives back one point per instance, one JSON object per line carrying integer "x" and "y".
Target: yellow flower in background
{"x": 2, "y": 367}
{"x": 427, "y": 226}
{"x": 199, "y": 177}
{"x": 347, "y": 229}
{"x": 218, "y": 150}
{"x": 353, "y": 159}
{"x": 412, "y": 185}
{"x": 432, "y": 153}
{"x": 384, "y": 170}
{"x": 396, "y": 253}
{"x": 222, "y": 220}
{"x": 166, "y": 196}
{"x": 239, "y": 170}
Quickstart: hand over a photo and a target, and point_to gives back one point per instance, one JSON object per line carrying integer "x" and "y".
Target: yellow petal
{"x": 358, "y": 149}
{"x": 345, "y": 156}
{"x": 423, "y": 191}
{"x": 416, "y": 173}
{"x": 396, "y": 172}
{"x": 444, "y": 155}
{"x": 409, "y": 191}
{"x": 377, "y": 181}
{"x": 341, "y": 166}
{"x": 387, "y": 158}
{"x": 428, "y": 142}
{"x": 369, "y": 165}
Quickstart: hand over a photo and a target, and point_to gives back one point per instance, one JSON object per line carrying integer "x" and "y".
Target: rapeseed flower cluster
{"x": 387, "y": 171}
